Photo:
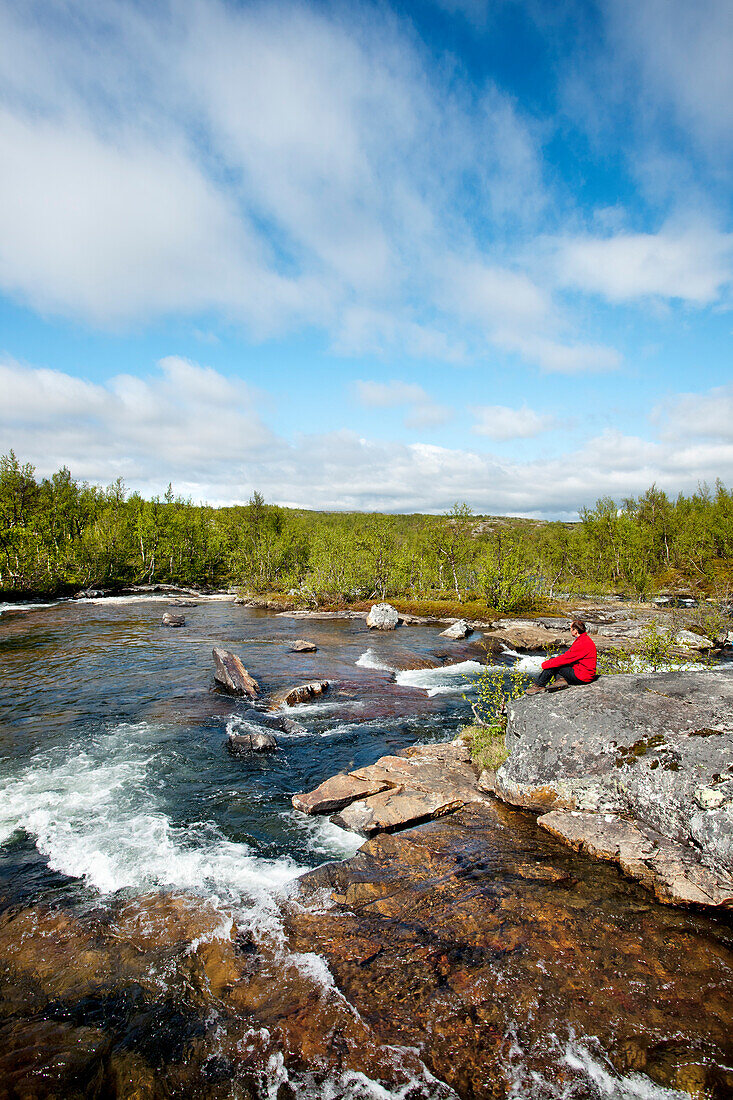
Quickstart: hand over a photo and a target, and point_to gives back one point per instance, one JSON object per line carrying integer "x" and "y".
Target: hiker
{"x": 576, "y": 665}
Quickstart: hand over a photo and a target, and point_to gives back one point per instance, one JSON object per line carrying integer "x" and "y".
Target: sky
{"x": 371, "y": 256}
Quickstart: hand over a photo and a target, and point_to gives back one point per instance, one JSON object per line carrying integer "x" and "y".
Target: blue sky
{"x": 370, "y": 256}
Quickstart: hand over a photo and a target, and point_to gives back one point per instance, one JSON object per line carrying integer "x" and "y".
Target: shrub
{"x": 495, "y": 686}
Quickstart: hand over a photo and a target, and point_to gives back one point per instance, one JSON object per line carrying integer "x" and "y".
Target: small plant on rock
{"x": 495, "y": 687}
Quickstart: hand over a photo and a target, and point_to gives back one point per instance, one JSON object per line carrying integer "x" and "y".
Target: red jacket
{"x": 581, "y": 655}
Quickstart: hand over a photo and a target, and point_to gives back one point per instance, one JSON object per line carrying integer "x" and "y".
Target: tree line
{"x": 59, "y": 535}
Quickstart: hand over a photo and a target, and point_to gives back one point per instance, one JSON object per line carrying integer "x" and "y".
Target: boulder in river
{"x": 647, "y": 761}
{"x": 171, "y": 618}
{"x": 382, "y": 616}
{"x": 240, "y": 744}
{"x": 303, "y": 693}
{"x": 457, "y": 630}
{"x": 301, "y": 645}
{"x": 232, "y": 675}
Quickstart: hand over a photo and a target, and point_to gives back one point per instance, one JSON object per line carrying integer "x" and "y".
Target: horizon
{"x": 380, "y": 257}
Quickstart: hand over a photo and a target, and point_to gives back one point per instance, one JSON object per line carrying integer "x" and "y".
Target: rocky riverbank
{"x": 635, "y": 769}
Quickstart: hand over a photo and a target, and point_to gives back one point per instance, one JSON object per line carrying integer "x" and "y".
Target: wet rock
{"x": 240, "y": 744}
{"x": 641, "y": 746}
{"x": 457, "y": 630}
{"x": 232, "y": 675}
{"x": 170, "y": 618}
{"x": 688, "y": 639}
{"x": 382, "y": 616}
{"x": 671, "y": 870}
{"x": 335, "y": 793}
{"x": 90, "y": 594}
{"x": 303, "y": 646}
{"x": 405, "y": 660}
{"x": 471, "y": 931}
{"x": 45, "y": 1059}
{"x": 291, "y": 697}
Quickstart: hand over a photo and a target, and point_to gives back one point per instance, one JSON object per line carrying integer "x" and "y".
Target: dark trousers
{"x": 566, "y": 671}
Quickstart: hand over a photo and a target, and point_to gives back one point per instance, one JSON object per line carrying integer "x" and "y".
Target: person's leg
{"x": 567, "y": 673}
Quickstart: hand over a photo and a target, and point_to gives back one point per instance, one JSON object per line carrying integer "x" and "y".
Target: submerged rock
{"x": 170, "y": 618}
{"x": 382, "y": 616}
{"x": 641, "y": 748}
{"x": 232, "y": 675}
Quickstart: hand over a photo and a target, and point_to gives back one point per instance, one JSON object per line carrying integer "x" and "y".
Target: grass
{"x": 488, "y": 746}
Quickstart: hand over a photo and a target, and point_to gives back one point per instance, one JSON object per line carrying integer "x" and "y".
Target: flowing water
{"x": 116, "y": 787}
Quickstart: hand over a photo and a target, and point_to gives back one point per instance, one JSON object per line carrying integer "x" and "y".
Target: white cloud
{"x": 276, "y": 164}
{"x": 501, "y": 422}
{"x": 680, "y": 54}
{"x": 703, "y": 415}
{"x": 199, "y": 429}
{"x": 693, "y": 265}
{"x": 422, "y": 412}
{"x": 184, "y": 420}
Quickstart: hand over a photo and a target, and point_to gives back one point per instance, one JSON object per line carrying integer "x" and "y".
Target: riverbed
{"x": 118, "y": 796}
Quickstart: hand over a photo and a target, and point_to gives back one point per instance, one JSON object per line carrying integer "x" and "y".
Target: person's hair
{"x": 579, "y": 625}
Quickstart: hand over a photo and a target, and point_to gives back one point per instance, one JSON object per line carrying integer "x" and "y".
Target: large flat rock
{"x": 426, "y": 781}
{"x": 655, "y": 749}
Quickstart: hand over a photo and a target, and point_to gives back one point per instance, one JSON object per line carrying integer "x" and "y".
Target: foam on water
{"x": 594, "y": 1077}
{"x": 93, "y": 814}
{"x": 24, "y": 606}
{"x": 530, "y": 663}
{"x": 447, "y": 680}
{"x": 324, "y": 838}
{"x": 370, "y": 659}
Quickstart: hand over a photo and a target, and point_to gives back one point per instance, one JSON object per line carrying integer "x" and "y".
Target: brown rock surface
{"x": 670, "y": 870}
{"x": 301, "y": 645}
{"x": 232, "y": 675}
{"x": 481, "y": 940}
{"x": 425, "y": 781}
{"x": 335, "y": 793}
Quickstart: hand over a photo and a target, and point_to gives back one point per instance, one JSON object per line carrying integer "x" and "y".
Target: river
{"x": 116, "y": 785}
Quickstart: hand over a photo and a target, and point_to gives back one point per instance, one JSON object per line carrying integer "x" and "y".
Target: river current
{"x": 116, "y": 782}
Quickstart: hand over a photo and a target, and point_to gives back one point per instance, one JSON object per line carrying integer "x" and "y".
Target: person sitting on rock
{"x": 576, "y": 665}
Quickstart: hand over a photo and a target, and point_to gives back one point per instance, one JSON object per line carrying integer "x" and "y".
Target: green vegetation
{"x": 495, "y": 687}
{"x": 59, "y": 535}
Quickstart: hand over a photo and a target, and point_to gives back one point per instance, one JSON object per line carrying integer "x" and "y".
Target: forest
{"x": 59, "y": 535}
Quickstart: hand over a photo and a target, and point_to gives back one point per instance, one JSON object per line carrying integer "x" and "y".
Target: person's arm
{"x": 569, "y": 657}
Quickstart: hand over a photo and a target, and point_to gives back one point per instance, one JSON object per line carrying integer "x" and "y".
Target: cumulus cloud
{"x": 193, "y": 426}
{"x": 702, "y": 415}
{"x": 501, "y": 422}
{"x": 185, "y": 422}
{"x": 279, "y": 164}
{"x": 693, "y": 265}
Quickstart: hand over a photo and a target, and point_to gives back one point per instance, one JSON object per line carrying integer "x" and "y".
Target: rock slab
{"x": 232, "y": 675}
{"x": 301, "y": 645}
{"x": 303, "y": 693}
{"x": 425, "y": 782}
{"x": 655, "y": 750}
